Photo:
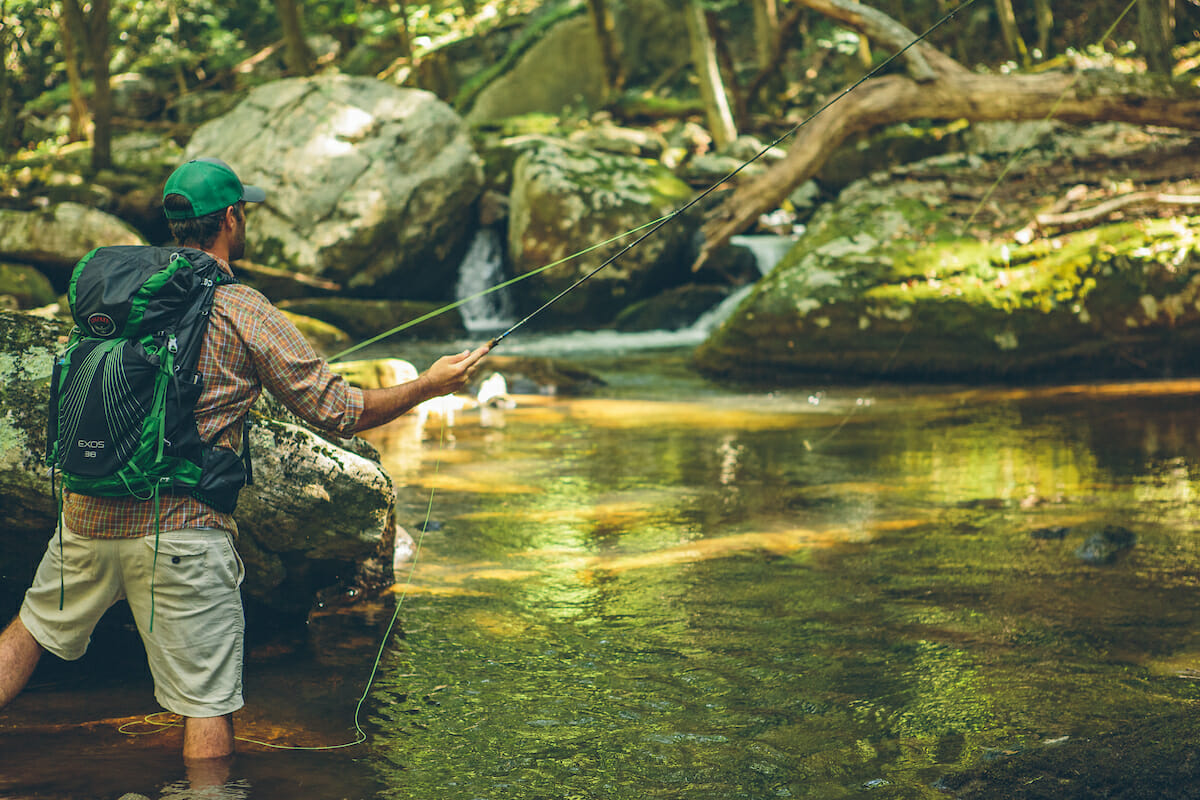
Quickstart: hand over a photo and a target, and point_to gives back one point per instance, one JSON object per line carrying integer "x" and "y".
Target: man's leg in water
{"x": 19, "y": 654}
{"x": 207, "y": 737}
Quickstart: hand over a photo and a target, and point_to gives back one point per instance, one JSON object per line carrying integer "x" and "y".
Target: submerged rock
{"x": 1107, "y": 545}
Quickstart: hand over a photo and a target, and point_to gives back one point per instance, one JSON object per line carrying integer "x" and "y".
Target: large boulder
{"x": 565, "y": 200}
{"x": 316, "y": 509}
{"x": 54, "y": 238}
{"x": 537, "y": 80}
{"x": 367, "y": 185}
{"x": 528, "y": 75}
{"x": 886, "y": 283}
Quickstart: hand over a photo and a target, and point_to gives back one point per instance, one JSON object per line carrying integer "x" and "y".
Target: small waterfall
{"x": 768, "y": 249}
{"x": 481, "y": 269}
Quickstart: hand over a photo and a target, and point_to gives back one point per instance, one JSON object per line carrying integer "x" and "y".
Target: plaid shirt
{"x": 249, "y": 345}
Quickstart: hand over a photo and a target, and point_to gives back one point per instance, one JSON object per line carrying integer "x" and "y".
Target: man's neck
{"x": 221, "y": 254}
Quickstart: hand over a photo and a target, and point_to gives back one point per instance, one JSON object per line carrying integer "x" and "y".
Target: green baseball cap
{"x": 210, "y": 185}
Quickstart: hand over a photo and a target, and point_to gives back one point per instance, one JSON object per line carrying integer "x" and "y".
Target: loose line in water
{"x": 360, "y": 735}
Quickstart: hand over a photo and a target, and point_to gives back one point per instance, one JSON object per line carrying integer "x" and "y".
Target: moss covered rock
{"x": 565, "y": 200}
{"x": 316, "y": 509}
{"x": 884, "y": 283}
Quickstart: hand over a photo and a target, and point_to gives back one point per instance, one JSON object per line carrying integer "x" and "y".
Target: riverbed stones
{"x": 1106, "y": 545}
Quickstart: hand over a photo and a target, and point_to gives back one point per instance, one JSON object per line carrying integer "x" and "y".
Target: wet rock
{"x": 672, "y": 310}
{"x": 369, "y": 185}
{"x": 1051, "y": 533}
{"x": 1107, "y": 545}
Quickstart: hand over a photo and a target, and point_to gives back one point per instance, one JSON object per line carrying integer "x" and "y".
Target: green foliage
{"x": 163, "y": 39}
{"x": 529, "y": 36}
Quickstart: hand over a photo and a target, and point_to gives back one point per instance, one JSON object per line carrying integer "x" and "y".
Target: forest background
{"x": 704, "y": 74}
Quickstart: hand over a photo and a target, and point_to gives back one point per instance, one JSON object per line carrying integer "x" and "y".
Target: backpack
{"x": 123, "y": 393}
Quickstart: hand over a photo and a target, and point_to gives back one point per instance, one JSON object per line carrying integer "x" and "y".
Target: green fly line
{"x": 451, "y": 306}
{"x": 360, "y": 736}
{"x": 650, "y": 228}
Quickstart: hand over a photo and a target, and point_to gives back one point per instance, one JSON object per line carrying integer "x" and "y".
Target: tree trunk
{"x": 102, "y": 107}
{"x": 1012, "y": 34}
{"x": 766, "y": 31}
{"x": 956, "y": 93}
{"x": 727, "y": 68}
{"x": 296, "y": 54}
{"x": 712, "y": 90}
{"x": 610, "y": 48}
{"x": 1156, "y": 34}
{"x": 8, "y": 119}
{"x": 778, "y": 49}
{"x": 72, "y": 26}
{"x": 1045, "y": 26}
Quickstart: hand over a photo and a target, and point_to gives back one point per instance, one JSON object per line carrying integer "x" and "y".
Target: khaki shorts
{"x": 190, "y": 619}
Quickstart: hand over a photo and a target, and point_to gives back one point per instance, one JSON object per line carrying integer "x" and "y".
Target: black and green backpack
{"x": 123, "y": 393}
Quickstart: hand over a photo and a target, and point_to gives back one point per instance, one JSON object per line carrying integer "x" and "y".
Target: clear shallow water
{"x": 680, "y": 591}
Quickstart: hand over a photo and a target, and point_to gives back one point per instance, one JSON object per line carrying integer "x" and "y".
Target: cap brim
{"x": 253, "y": 194}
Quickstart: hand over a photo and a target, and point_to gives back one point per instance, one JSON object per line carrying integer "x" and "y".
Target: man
{"x": 195, "y": 645}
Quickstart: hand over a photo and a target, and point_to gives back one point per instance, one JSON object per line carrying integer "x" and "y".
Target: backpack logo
{"x": 102, "y": 324}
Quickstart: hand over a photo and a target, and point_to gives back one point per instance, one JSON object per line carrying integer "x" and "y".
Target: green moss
{"x": 965, "y": 306}
{"x": 530, "y": 35}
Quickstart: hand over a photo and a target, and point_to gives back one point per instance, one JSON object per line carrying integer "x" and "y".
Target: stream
{"x": 675, "y": 589}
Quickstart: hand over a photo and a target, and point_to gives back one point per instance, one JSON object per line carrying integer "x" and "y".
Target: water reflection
{"x": 692, "y": 600}
{"x": 732, "y": 595}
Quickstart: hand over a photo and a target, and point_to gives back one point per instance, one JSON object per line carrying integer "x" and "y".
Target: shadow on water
{"x": 682, "y": 591}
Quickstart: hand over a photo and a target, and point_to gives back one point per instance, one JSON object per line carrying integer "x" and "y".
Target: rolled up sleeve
{"x": 304, "y": 382}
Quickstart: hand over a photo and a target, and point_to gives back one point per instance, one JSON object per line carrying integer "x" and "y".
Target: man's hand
{"x": 448, "y": 374}
{"x": 451, "y": 373}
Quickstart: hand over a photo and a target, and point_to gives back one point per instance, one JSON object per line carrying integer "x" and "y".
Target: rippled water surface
{"x": 680, "y": 591}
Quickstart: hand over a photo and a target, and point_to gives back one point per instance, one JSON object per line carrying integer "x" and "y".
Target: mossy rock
{"x": 362, "y": 319}
{"x": 27, "y": 285}
{"x": 566, "y": 200}
{"x": 884, "y": 284}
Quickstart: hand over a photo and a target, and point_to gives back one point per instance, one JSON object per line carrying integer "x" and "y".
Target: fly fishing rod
{"x": 675, "y": 214}
{"x": 650, "y": 230}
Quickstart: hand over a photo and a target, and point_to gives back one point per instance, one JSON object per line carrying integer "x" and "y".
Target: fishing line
{"x": 1008, "y": 165}
{"x": 670, "y": 217}
{"x": 653, "y": 227}
{"x": 360, "y": 735}
{"x": 485, "y": 292}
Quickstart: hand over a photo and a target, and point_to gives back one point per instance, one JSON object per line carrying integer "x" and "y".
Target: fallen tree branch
{"x": 1115, "y": 204}
{"x": 1090, "y": 96}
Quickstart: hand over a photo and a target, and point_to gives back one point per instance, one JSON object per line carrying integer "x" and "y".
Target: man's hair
{"x": 200, "y": 231}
